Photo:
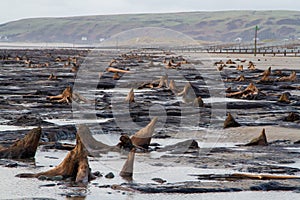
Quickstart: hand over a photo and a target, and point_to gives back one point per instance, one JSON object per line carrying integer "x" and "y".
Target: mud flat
{"x": 170, "y": 168}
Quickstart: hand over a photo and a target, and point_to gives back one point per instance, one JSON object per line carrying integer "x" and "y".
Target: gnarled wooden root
{"x": 249, "y": 91}
{"x": 65, "y": 96}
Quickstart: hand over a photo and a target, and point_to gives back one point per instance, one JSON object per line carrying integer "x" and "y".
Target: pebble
{"x": 110, "y": 175}
{"x": 42, "y": 178}
{"x": 159, "y": 180}
{"x": 57, "y": 178}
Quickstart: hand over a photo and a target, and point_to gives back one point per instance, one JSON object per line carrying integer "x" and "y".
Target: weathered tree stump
{"x": 127, "y": 169}
{"x": 173, "y": 87}
{"x": 65, "y": 96}
{"x": 284, "y": 98}
{"x": 75, "y": 165}
{"x": 260, "y": 141}
{"x": 240, "y": 68}
{"x": 92, "y": 145}
{"x": 251, "y": 66}
{"x": 52, "y": 77}
{"x": 267, "y": 72}
{"x": 163, "y": 82}
{"x": 185, "y": 90}
{"x": 292, "y": 77}
{"x": 265, "y": 79}
{"x": 24, "y": 148}
{"x": 230, "y": 122}
{"x": 142, "y": 138}
{"x": 241, "y": 78}
{"x": 198, "y": 102}
{"x": 292, "y": 117}
{"x": 249, "y": 91}
{"x": 130, "y": 96}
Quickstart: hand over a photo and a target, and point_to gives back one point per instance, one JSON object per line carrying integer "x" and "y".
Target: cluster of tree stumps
{"x": 244, "y": 80}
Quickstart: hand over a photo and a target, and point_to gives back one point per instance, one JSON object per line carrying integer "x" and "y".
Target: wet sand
{"x": 24, "y": 90}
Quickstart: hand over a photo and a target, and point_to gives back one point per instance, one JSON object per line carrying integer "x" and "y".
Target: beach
{"x": 183, "y": 171}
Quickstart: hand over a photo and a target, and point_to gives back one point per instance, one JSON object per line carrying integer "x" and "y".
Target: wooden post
{"x": 255, "y": 40}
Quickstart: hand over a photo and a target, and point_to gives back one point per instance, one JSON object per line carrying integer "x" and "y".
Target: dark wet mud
{"x": 29, "y": 77}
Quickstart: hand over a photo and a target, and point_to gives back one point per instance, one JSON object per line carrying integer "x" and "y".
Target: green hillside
{"x": 223, "y": 26}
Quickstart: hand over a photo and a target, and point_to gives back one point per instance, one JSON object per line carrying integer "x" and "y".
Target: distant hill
{"x": 223, "y": 26}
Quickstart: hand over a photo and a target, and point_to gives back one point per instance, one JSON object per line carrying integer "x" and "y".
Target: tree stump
{"x": 127, "y": 169}
{"x": 25, "y": 148}
{"x": 64, "y": 97}
{"x": 230, "y": 122}
{"x": 267, "y": 72}
{"x": 142, "y": 138}
{"x": 173, "y": 87}
{"x": 130, "y": 96}
{"x": 284, "y": 98}
{"x": 249, "y": 91}
{"x": 292, "y": 117}
{"x": 292, "y": 77}
{"x": 92, "y": 145}
{"x": 75, "y": 165}
{"x": 261, "y": 140}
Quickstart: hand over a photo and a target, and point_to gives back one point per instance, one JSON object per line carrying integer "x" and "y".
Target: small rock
{"x": 42, "y": 178}
{"x": 57, "y": 178}
{"x": 48, "y": 185}
{"x": 109, "y": 175}
{"x": 97, "y": 173}
{"x": 104, "y": 186}
{"x": 11, "y": 165}
{"x": 159, "y": 180}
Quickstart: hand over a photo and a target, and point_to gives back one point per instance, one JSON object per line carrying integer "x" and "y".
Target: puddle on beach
{"x": 15, "y": 128}
{"x": 62, "y": 122}
{"x": 112, "y": 162}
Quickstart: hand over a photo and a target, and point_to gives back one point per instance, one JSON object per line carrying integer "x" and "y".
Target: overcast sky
{"x": 16, "y": 9}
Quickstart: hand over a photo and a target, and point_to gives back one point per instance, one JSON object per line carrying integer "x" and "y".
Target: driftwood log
{"x": 239, "y": 176}
{"x": 115, "y": 70}
{"x": 24, "y": 148}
